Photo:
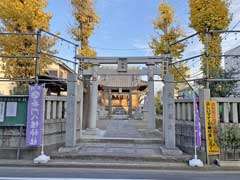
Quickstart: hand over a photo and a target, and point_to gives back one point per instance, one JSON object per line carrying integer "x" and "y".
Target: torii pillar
{"x": 151, "y": 101}
{"x": 169, "y": 147}
{"x": 92, "y": 121}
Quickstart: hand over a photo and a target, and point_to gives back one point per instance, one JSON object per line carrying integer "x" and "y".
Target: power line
{"x": 120, "y": 49}
{"x": 196, "y": 75}
{"x": 130, "y": 49}
{"x": 232, "y": 28}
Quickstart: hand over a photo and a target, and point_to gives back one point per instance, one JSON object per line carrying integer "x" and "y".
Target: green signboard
{"x": 13, "y": 110}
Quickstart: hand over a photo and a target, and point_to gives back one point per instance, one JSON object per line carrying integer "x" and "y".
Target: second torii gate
{"x": 122, "y": 63}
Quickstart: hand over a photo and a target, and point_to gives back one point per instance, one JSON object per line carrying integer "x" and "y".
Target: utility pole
{"x": 207, "y": 56}
{"x": 38, "y": 51}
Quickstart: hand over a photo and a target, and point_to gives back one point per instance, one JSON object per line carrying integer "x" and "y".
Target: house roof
{"x": 233, "y": 51}
{"x": 62, "y": 64}
{"x": 123, "y": 81}
{"x": 54, "y": 83}
{"x": 120, "y": 81}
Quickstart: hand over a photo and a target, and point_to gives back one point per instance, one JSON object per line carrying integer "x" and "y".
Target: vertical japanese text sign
{"x": 35, "y": 116}
{"x": 211, "y": 127}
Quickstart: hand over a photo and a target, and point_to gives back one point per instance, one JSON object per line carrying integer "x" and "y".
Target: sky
{"x": 125, "y": 24}
{"x": 126, "y": 27}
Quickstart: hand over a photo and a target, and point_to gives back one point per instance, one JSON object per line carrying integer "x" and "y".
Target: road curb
{"x": 99, "y": 165}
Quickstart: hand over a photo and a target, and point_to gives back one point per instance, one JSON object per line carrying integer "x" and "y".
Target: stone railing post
{"x": 226, "y": 108}
{"x": 189, "y": 111}
{"x": 178, "y": 115}
{"x": 71, "y": 122}
{"x": 235, "y": 112}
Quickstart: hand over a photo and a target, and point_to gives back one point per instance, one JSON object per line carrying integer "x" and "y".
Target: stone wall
{"x": 11, "y": 138}
{"x": 228, "y": 114}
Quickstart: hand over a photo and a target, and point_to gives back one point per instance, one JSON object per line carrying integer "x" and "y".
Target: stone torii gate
{"x": 122, "y": 69}
{"x": 122, "y": 62}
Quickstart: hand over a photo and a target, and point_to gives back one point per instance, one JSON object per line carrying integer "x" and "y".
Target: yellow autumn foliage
{"x": 168, "y": 34}
{"x": 85, "y": 22}
{"x": 210, "y": 15}
{"x": 24, "y": 16}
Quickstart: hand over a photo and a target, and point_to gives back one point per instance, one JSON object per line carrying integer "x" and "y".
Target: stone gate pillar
{"x": 130, "y": 104}
{"x": 81, "y": 89}
{"x": 110, "y": 103}
{"x": 93, "y": 99}
{"x": 169, "y": 117}
{"x": 71, "y": 122}
{"x": 169, "y": 112}
{"x": 151, "y": 101}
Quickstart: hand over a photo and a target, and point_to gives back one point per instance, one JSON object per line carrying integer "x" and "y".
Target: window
{"x": 61, "y": 74}
{"x": 53, "y": 73}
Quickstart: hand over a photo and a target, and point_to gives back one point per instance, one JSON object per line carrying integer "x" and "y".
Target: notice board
{"x": 13, "y": 110}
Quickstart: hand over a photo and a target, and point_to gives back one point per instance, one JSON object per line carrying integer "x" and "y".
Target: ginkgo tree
{"x": 208, "y": 15}
{"x": 20, "y": 16}
{"x": 86, "y": 20}
{"x": 168, "y": 33}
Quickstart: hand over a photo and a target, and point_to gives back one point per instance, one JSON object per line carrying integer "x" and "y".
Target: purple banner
{"x": 197, "y": 125}
{"x": 35, "y": 116}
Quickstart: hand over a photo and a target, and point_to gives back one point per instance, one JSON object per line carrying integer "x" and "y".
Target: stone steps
{"x": 120, "y": 141}
{"x": 118, "y": 149}
{"x": 119, "y": 158}
{"x": 123, "y": 140}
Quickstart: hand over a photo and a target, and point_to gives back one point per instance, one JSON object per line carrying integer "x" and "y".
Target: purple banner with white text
{"x": 198, "y": 125}
{"x": 35, "y": 116}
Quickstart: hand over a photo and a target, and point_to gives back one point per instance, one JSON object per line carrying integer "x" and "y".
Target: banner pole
{"x": 44, "y": 95}
{"x": 194, "y": 120}
{"x": 42, "y": 158}
{"x": 195, "y": 162}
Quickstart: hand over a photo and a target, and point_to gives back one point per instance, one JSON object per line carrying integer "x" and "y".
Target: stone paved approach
{"x": 121, "y": 141}
{"x": 130, "y": 144}
{"x": 122, "y": 129}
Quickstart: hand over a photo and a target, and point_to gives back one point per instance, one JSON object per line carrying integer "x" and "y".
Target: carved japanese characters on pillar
{"x": 169, "y": 112}
{"x": 165, "y": 64}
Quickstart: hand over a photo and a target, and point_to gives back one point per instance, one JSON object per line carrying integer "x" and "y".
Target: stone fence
{"x": 184, "y": 125}
{"x": 228, "y": 113}
{"x": 13, "y": 138}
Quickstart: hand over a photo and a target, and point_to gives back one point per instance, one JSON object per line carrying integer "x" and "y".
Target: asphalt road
{"x": 25, "y": 173}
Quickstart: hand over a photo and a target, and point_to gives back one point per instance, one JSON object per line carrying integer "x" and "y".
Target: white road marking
{"x": 22, "y": 178}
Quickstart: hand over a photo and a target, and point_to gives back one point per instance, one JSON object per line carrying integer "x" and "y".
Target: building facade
{"x": 121, "y": 94}
{"x": 232, "y": 63}
{"x": 55, "y": 70}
